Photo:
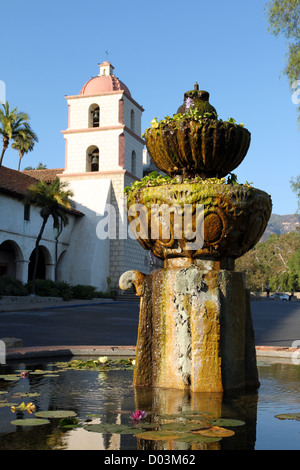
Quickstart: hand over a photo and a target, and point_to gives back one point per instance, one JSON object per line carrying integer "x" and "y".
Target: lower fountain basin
{"x": 108, "y": 398}
{"x": 207, "y": 220}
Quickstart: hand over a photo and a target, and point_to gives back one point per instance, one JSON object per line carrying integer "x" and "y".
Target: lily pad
{"x": 197, "y": 438}
{"x": 9, "y": 377}
{"x": 55, "y": 414}
{"x": 28, "y": 394}
{"x": 295, "y": 416}
{"x": 107, "y": 428}
{"x": 185, "y": 427}
{"x": 30, "y": 422}
{"x": 228, "y": 422}
{"x": 195, "y": 412}
{"x": 158, "y": 435}
{"x": 38, "y": 372}
{"x": 3, "y": 392}
{"x": 5, "y": 403}
{"x": 215, "y": 431}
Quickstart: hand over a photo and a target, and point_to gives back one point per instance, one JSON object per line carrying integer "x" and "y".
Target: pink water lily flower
{"x": 138, "y": 415}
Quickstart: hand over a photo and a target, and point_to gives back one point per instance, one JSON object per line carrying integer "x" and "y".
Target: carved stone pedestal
{"x": 195, "y": 330}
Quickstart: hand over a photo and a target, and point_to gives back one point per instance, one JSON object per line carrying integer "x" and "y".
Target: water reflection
{"x": 110, "y": 398}
{"x": 215, "y": 405}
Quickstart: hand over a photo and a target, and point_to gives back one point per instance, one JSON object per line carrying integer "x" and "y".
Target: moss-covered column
{"x": 195, "y": 331}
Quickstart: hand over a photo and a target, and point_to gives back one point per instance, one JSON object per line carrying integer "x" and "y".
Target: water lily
{"x": 30, "y": 407}
{"x": 103, "y": 359}
{"x": 24, "y": 374}
{"x": 138, "y": 415}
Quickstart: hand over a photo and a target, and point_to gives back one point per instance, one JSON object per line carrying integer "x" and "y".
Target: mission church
{"x": 104, "y": 153}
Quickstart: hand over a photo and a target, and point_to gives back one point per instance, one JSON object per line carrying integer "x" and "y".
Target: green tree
{"x": 40, "y": 166}
{"x": 274, "y": 260}
{"x": 294, "y": 263}
{"x": 52, "y": 199}
{"x": 284, "y": 19}
{"x": 24, "y": 143}
{"x": 295, "y": 184}
{"x": 12, "y": 123}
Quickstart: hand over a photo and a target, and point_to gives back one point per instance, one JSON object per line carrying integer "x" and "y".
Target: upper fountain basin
{"x": 207, "y": 148}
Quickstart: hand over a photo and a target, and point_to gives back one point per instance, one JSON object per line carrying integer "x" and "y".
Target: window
{"x": 133, "y": 162}
{"x": 132, "y": 118}
{"x": 27, "y": 212}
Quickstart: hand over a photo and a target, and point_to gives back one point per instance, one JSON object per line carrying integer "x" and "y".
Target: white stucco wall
{"x": 80, "y": 105}
{"x": 78, "y": 143}
{"x": 23, "y": 234}
{"x": 128, "y": 107}
{"x": 87, "y": 259}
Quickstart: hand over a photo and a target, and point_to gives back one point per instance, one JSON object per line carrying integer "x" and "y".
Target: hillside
{"x": 281, "y": 224}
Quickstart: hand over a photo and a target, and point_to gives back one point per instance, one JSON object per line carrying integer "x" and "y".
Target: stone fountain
{"x": 195, "y": 327}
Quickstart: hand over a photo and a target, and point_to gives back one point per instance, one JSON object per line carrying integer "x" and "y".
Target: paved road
{"x": 275, "y": 323}
{"x": 107, "y": 324}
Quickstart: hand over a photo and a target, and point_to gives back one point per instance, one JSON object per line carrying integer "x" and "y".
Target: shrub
{"x": 64, "y": 290}
{"x": 11, "y": 286}
{"x": 81, "y": 291}
{"x": 44, "y": 288}
{"x": 48, "y": 288}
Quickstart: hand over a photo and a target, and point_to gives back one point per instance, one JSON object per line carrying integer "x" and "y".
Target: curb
{"x": 25, "y": 307}
{"x": 70, "y": 351}
{"x": 279, "y": 351}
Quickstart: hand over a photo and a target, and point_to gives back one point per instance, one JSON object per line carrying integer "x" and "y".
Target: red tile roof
{"x": 15, "y": 183}
{"x": 44, "y": 175}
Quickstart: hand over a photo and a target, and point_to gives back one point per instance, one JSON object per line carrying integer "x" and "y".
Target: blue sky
{"x": 159, "y": 49}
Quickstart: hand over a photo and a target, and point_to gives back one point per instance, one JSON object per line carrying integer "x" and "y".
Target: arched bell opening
{"x": 94, "y": 115}
{"x": 92, "y": 159}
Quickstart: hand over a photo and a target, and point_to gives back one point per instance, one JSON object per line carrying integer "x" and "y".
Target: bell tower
{"x": 103, "y": 154}
{"x": 104, "y": 127}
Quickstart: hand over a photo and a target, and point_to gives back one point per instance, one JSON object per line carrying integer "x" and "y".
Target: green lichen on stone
{"x": 208, "y": 191}
{"x": 154, "y": 179}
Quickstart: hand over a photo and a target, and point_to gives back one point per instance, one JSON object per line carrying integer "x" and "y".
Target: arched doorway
{"x": 10, "y": 253}
{"x": 44, "y": 259}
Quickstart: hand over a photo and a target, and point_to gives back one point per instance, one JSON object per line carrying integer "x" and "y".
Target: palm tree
{"x": 52, "y": 199}
{"x": 11, "y": 123}
{"x": 24, "y": 143}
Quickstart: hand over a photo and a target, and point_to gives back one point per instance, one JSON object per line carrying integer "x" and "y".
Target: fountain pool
{"x": 103, "y": 401}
